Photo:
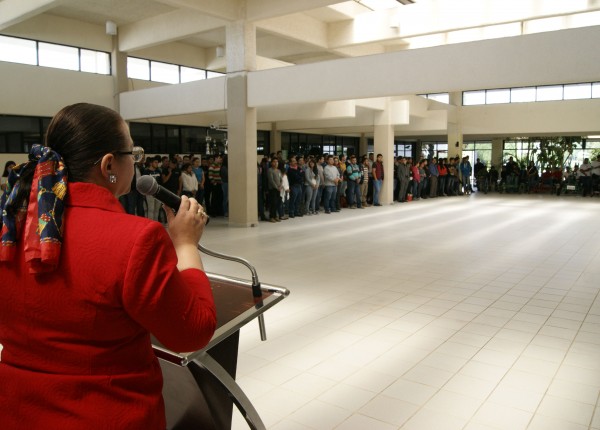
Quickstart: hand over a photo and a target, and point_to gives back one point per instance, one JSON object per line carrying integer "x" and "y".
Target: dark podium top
{"x": 235, "y": 307}
{"x": 199, "y": 387}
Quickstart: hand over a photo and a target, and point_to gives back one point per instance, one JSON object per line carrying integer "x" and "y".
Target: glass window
{"x": 478, "y": 149}
{"x": 173, "y": 139}
{"x": 58, "y": 56}
{"x": 521, "y": 95}
{"x": 95, "y": 62}
{"x": 329, "y": 149}
{"x": 434, "y": 149}
{"x": 138, "y": 68}
{"x": 159, "y": 140}
{"x": 497, "y": 96}
{"x": 193, "y": 140}
{"x": 15, "y": 142}
{"x": 18, "y": 50}
{"x": 163, "y": 72}
{"x": 210, "y": 74}
{"x": 188, "y": 74}
{"x": 142, "y": 135}
{"x": 471, "y": 98}
{"x": 547, "y": 93}
{"x": 403, "y": 149}
{"x": 442, "y": 97}
{"x": 578, "y": 91}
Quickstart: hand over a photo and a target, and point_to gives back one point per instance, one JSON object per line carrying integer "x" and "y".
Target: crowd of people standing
{"x": 205, "y": 179}
{"x": 306, "y": 186}
{"x": 309, "y": 185}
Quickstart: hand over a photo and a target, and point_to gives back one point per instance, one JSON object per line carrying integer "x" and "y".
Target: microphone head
{"x": 147, "y": 185}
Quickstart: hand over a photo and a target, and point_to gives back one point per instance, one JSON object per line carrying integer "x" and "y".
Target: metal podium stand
{"x": 199, "y": 387}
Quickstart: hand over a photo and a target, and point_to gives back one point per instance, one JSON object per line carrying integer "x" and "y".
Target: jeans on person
{"x": 310, "y": 196}
{"x": 261, "y": 203}
{"x": 415, "y": 189}
{"x": 153, "y": 207}
{"x": 319, "y": 198}
{"x": 354, "y": 196}
{"x": 441, "y": 185}
{"x": 225, "y": 187}
{"x": 295, "y": 196}
{"x": 200, "y": 196}
{"x": 376, "y": 190}
{"x": 330, "y": 198}
{"x": 274, "y": 203}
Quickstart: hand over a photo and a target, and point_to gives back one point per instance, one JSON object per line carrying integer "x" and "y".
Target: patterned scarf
{"x": 42, "y": 217}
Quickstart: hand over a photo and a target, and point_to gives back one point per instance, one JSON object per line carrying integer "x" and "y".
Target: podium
{"x": 199, "y": 386}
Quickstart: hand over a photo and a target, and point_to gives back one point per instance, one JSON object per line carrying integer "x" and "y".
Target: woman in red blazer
{"x": 83, "y": 284}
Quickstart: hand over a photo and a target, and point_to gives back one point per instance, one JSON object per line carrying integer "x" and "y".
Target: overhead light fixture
{"x": 111, "y": 28}
{"x": 406, "y": 2}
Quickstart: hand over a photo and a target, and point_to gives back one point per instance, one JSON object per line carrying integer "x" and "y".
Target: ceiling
{"x": 308, "y": 31}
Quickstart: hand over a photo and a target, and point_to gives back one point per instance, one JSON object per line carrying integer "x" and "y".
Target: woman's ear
{"x": 106, "y": 168}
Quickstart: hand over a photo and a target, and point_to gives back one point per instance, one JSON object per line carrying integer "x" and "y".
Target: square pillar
{"x": 383, "y": 137}
{"x": 241, "y": 125}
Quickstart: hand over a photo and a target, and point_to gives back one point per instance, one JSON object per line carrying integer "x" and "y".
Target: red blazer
{"x": 77, "y": 352}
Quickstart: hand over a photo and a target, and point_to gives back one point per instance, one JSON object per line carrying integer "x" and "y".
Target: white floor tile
{"x": 320, "y": 415}
{"x": 502, "y": 417}
{"x": 389, "y": 410}
{"x": 503, "y": 335}
{"x": 410, "y": 391}
{"x": 566, "y": 410}
{"x": 362, "y": 422}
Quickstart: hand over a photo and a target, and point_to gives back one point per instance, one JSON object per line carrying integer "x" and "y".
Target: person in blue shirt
{"x": 433, "y": 178}
{"x": 199, "y": 172}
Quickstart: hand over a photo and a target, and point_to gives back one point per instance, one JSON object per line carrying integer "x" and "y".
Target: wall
{"x": 42, "y": 91}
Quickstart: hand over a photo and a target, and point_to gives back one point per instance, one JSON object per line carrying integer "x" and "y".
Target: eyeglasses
{"x": 137, "y": 152}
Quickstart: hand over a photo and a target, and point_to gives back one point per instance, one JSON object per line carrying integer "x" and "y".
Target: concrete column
{"x": 455, "y": 140}
{"x": 455, "y": 127}
{"x": 497, "y": 153}
{"x": 275, "y": 138}
{"x": 363, "y": 145}
{"x": 384, "y": 144}
{"x": 241, "y": 125}
{"x": 119, "y": 72}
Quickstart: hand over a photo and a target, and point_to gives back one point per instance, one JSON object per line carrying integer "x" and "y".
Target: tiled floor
{"x": 469, "y": 313}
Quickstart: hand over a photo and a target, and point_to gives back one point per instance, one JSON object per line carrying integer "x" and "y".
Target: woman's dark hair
{"x": 82, "y": 134}
{"x": 185, "y": 166}
{"x": 314, "y": 167}
{"x": 6, "y": 166}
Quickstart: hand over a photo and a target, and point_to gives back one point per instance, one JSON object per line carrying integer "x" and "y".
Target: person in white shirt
{"x": 188, "y": 183}
{"x": 332, "y": 179}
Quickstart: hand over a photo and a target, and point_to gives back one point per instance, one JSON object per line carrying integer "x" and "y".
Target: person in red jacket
{"x": 83, "y": 284}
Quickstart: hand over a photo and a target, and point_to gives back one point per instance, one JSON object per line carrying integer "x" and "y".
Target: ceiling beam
{"x": 441, "y": 17}
{"x": 497, "y": 63}
{"x": 264, "y": 9}
{"x": 297, "y": 27}
{"x": 15, "y": 11}
{"x": 229, "y": 10}
{"x": 168, "y": 27}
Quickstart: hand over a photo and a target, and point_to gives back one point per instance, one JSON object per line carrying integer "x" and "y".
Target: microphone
{"x": 148, "y": 186}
